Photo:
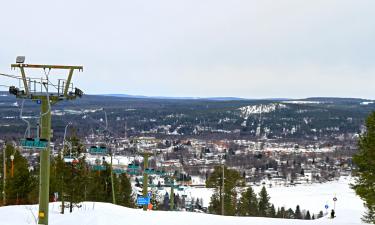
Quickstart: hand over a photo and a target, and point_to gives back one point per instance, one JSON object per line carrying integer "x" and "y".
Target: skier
{"x": 332, "y": 214}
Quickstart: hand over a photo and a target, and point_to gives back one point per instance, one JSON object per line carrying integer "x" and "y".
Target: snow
{"x": 314, "y": 197}
{"x": 117, "y": 160}
{"x": 246, "y": 111}
{"x": 304, "y": 102}
{"x": 349, "y": 209}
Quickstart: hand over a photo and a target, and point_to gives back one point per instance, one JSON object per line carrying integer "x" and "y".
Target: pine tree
{"x": 320, "y": 215}
{"x": 19, "y": 186}
{"x": 264, "y": 204}
{"x": 233, "y": 179}
{"x": 248, "y": 205}
{"x": 364, "y": 160}
{"x": 297, "y": 213}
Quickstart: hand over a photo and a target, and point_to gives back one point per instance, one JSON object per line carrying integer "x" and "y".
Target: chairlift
{"x": 31, "y": 143}
{"x": 98, "y": 150}
{"x": 149, "y": 171}
{"x": 134, "y": 166}
{"x": 34, "y": 143}
{"x": 98, "y": 168}
{"x": 133, "y": 169}
{"x": 119, "y": 171}
{"x": 160, "y": 173}
{"x": 180, "y": 188}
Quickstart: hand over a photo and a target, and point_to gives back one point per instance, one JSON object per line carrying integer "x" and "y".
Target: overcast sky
{"x": 247, "y": 48}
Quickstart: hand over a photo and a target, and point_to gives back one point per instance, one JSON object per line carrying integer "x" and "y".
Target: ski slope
{"x": 349, "y": 210}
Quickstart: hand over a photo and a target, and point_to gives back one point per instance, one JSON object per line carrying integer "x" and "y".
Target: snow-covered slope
{"x": 247, "y": 111}
{"x": 349, "y": 209}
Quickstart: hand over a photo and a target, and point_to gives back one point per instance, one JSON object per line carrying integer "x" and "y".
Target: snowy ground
{"x": 349, "y": 210}
{"x": 314, "y": 197}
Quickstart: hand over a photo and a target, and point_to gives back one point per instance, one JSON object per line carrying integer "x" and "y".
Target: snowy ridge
{"x": 246, "y": 111}
{"x": 305, "y": 102}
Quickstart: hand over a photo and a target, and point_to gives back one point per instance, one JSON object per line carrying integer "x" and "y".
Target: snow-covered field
{"x": 314, "y": 197}
{"x": 349, "y": 209}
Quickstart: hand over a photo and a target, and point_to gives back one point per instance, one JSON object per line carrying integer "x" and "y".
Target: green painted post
{"x": 113, "y": 185}
{"x": 145, "y": 178}
{"x": 172, "y": 196}
{"x": 44, "y": 163}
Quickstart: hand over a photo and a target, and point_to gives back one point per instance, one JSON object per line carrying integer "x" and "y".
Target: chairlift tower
{"x": 38, "y": 90}
{"x": 145, "y": 155}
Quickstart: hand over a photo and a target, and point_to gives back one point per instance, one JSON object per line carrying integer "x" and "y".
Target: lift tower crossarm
{"x": 49, "y": 67}
{"x": 20, "y": 65}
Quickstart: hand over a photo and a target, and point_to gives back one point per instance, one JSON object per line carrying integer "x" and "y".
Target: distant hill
{"x": 180, "y": 98}
{"x": 301, "y": 120}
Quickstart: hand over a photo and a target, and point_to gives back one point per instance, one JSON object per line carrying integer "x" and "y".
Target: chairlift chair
{"x": 133, "y": 169}
{"x": 119, "y": 171}
{"x": 98, "y": 168}
{"x": 149, "y": 171}
{"x": 34, "y": 143}
{"x": 98, "y": 150}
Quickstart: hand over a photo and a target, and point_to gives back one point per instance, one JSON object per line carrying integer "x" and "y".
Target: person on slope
{"x": 332, "y": 214}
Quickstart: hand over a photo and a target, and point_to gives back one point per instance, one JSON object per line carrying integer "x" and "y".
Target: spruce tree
{"x": 248, "y": 204}
{"x": 364, "y": 159}
{"x": 308, "y": 216}
{"x": 215, "y": 206}
{"x": 281, "y": 213}
{"x": 290, "y": 214}
{"x": 272, "y": 211}
{"x": 19, "y": 186}
{"x": 124, "y": 192}
{"x": 232, "y": 180}
{"x": 264, "y": 204}
{"x": 297, "y": 213}
{"x": 278, "y": 213}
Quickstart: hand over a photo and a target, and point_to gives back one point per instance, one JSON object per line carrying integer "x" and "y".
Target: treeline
{"x": 71, "y": 182}
{"x": 249, "y": 203}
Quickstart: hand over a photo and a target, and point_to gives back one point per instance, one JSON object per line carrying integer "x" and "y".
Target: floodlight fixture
{"x": 20, "y": 59}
